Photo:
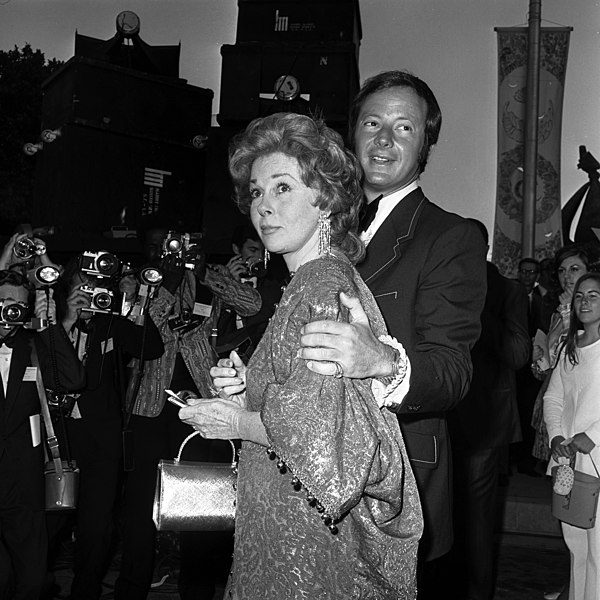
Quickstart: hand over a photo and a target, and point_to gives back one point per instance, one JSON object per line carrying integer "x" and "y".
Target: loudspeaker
{"x": 90, "y": 179}
{"x": 261, "y": 79}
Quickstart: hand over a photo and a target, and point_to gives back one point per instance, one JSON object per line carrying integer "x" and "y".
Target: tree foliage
{"x": 22, "y": 72}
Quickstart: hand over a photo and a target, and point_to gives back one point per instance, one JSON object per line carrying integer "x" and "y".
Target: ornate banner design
{"x": 512, "y": 81}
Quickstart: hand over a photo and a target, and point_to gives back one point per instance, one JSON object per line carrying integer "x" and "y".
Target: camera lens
{"x": 107, "y": 264}
{"x": 13, "y": 313}
{"x": 102, "y": 300}
{"x": 173, "y": 245}
{"x": 24, "y": 248}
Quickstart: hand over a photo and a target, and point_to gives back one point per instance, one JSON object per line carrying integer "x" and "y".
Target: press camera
{"x": 13, "y": 314}
{"x": 99, "y": 264}
{"x": 184, "y": 245}
{"x": 102, "y": 300}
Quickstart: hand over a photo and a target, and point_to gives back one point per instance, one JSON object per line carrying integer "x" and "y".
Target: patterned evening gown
{"x": 346, "y": 453}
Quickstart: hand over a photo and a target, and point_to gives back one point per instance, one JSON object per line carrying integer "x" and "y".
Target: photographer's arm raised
{"x": 243, "y": 298}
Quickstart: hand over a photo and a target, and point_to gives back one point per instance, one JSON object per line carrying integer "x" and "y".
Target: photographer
{"x": 248, "y": 266}
{"x": 22, "y": 516}
{"x": 91, "y": 432}
{"x": 24, "y": 251}
{"x": 186, "y": 309}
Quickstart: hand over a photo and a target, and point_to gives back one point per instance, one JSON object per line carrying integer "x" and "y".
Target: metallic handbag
{"x": 195, "y": 496}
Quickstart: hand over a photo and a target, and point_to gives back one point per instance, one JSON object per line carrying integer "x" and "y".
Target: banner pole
{"x": 531, "y": 130}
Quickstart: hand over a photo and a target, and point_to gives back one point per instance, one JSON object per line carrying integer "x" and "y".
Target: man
{"x": 22, "y": 518}
{"x": 481, "y": 428}
{"x": 91, "y": 430}
{"x": 248, "y": 266}
{"x": 426, "y": 268}
{"x": 186, "y": 310}
{"x": 528, "y": 275}
{"x": 528, "y": 385}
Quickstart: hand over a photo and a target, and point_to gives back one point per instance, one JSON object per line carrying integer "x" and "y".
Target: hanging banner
{"x": 512, "y": 82}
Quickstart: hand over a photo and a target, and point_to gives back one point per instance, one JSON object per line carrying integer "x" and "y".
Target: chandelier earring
{"x": 324, "y": 234}
{"x": 266, "y": 258}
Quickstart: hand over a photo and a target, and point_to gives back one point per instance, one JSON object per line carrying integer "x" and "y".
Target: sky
{"x": 451, "y": 44}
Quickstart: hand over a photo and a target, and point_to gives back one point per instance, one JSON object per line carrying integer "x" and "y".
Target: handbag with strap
{"x": 577, "y": 507}
{"x": 61, "y": 476}
{"x": 195, "y": 496}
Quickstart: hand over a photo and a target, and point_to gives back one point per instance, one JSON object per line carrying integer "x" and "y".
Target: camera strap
{"x": 50, "y": 435}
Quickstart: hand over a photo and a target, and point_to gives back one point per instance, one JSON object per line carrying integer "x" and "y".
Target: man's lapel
{"x": 399, "y": 228}
{"x": 20, "y": 359}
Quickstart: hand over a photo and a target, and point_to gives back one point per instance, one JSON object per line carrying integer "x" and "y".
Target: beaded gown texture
{"x": 332, "y": 510}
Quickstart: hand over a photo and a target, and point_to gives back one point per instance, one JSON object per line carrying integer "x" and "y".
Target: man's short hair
{"x": 17, "y": 278}
{"x": 391, "y": 79}
{"x": 529, "y": 261}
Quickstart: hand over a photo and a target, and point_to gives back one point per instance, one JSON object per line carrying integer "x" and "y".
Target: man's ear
{"x": 236, "y": 249}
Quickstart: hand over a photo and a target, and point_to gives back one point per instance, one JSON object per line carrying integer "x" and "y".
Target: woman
{"x": 571, "y": 263}
{"x": 327, "y": 503}
{"x": 572, "y": 416}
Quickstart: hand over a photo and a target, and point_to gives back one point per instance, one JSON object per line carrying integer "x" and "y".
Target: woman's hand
{"x": 214, "y": 418}
{"x": 229, "y": 377}
{"x": 537, "y": 353}
{"x": 559, "y": 449}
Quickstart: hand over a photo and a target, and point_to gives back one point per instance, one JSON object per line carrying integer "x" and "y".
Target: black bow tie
{"x": 367, "y": 214}
{"x": 8, "y": 341}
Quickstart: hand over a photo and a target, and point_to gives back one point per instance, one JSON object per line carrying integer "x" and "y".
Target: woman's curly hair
{"x": 325, "y": 166}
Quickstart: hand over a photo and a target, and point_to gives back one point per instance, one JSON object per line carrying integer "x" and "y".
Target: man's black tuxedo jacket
{"x": 20, "y": 462}
{"x": 426, "y": 268}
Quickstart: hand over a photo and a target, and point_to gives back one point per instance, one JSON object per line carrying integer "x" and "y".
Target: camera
{"x": 12, "y": 314}
{"x": 184, "y": 245}
{"x": 183, "y": 322}
{"x": 254, "y": 268}
{"x": 99, "y": 264}
{"x": 27, "y": 248}
{"x": 102, "y": 299}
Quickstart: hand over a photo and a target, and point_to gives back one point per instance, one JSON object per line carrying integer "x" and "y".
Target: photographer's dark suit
{"x": 426, "y": 269}
{"x": 22, "y": 525}
{"x": 94, "y": 440}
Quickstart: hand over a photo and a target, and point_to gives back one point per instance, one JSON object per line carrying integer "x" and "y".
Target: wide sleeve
{"x": 241, "y": 297}
{"x": 450, "y": 298}
{"x": 328, "y": 431}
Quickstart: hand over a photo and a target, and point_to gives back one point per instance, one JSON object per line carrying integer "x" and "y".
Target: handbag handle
{"x": 189, "y": 437}
{"x": 571, "y": 463}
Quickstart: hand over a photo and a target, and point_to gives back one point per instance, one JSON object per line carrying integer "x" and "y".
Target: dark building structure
{"x": 129, "y": 138}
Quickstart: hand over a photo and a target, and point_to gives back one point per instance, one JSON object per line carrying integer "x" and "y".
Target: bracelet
{"x": 400, "y": 366}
